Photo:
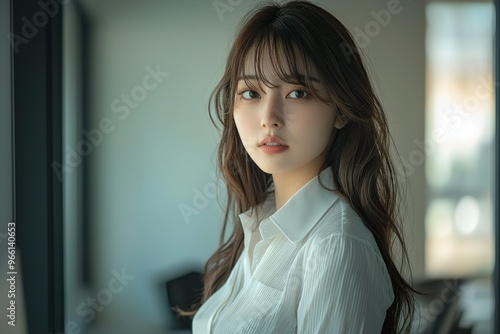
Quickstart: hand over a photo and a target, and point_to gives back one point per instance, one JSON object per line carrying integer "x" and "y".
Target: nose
{"x": 272, "y": 113}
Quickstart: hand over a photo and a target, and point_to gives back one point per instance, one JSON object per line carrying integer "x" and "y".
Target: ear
{"x": 340, "y": 121}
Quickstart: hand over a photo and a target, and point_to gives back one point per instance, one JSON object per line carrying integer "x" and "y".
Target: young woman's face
{"x": 297, "y": 125}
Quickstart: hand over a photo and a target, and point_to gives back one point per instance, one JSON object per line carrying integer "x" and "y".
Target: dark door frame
{"x": 36, "y": 42}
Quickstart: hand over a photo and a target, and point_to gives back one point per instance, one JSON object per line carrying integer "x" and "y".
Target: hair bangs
{"x": 289, "y": 62}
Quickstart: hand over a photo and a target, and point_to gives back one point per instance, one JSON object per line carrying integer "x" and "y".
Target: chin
{"x": 272, "y": 168}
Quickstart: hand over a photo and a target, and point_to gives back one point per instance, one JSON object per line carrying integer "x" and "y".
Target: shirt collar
{"x": 298, "y": 215}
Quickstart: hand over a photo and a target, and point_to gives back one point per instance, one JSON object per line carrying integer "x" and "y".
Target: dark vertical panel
{"x": 31, "y": 169}
{"x": 36, "y": 57}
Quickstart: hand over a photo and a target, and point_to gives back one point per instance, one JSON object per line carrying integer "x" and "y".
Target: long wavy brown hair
{"x": 300, "y": 36}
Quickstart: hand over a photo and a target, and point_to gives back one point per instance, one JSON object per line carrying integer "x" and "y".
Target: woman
{"x": 312, "y": 192}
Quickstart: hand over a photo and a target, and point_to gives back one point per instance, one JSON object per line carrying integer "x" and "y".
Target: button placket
{"x": 260, "y": 249}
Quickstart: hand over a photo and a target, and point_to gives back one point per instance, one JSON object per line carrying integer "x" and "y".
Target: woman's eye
{"x": 249, "y": 94}
{"x": 298, "y": 94}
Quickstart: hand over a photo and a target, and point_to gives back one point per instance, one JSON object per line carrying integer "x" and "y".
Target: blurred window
{"x": 459, "y": 138}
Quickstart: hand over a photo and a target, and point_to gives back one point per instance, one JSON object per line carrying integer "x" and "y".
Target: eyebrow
{"x": 289, "y": 78}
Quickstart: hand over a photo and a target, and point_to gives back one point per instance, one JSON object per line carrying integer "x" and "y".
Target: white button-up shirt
{"x": 309, "y": 267}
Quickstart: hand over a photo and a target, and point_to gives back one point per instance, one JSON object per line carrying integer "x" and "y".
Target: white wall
{"x": 155, "y": 159}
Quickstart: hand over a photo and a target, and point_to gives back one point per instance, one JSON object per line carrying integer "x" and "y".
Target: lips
{"x": 273, "y": 145}
{"x": 272, "y": 141}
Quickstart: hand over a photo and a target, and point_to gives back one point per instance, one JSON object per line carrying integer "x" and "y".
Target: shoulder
{"x": 343, "y": 246}
{"x": 341, "y": 221}
{"x": 342, "y": 237}
{"x": 341, "y": 249}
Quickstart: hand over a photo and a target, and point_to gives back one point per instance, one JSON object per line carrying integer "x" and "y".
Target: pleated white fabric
{"x": 309, "y": 267}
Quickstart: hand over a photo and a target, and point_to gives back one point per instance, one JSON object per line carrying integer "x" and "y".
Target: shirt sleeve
{"x": 346, "y": 288}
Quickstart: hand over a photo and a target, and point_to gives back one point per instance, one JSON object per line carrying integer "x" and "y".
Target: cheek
{"x": 238, "y": 121}
{"x": 314, "y": 129}
{"x": 242, "y": 126}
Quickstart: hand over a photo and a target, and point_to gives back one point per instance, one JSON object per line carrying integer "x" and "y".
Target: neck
{"x": 288, "y": 183}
